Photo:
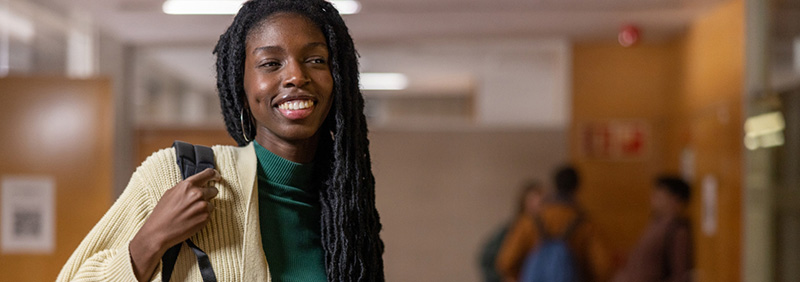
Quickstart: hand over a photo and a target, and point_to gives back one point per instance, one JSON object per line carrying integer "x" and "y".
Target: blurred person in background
{"x": 664, "y": 252}
{"x": 295, "y": 201}
{"x": 528, "y": 203}
{"x": 592, "y": 259}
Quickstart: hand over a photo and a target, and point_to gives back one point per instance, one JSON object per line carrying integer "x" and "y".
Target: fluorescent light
{"x": 346, "y": 7}
{"x": 796, "y": 54}
{"x": 230, "y": 7}
{"x": 383, "y": 81}
{"x": 764, "y": 131}
{"x": 764, "y": 124}
{"x": 201, "y": 7}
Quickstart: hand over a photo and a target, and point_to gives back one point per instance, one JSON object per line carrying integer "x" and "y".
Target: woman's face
{"x": 287, "y": 78}
{"x": 533, "y": 201}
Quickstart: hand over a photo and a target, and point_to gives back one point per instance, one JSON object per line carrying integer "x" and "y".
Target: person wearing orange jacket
{"x": 593, "y": 260}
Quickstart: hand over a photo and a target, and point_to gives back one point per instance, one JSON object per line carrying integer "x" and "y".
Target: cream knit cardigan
{"x": 232, "y": 237}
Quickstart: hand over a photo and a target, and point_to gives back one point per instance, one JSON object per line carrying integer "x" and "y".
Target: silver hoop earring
{"x": 241, "y": 118}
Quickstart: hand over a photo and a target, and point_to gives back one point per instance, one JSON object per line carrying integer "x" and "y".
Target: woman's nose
{"x": 295, "y": 75}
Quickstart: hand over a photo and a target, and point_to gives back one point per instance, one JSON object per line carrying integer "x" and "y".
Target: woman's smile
{"x": 296, "y": 109}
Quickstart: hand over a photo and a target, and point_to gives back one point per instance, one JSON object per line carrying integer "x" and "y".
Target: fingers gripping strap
{"x": 191, "y": 160}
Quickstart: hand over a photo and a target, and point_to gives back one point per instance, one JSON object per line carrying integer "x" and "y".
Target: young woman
{"x": 294, "y": 201}
{"x": 529, "y": 201}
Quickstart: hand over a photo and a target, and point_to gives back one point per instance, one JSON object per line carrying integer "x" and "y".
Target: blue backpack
{"x": 551, "y": 260}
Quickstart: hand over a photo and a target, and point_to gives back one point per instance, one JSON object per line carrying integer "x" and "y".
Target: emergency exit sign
{"x": 615, "y": 140}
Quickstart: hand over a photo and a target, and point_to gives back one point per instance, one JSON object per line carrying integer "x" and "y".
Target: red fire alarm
{"x": 628, "y": 35}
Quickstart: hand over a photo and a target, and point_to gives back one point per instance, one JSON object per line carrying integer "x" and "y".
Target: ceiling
{"x": 181, "y": 44}
{"x": 141, "y": 22}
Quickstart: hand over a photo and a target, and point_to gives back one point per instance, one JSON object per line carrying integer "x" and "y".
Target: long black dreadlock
{"x": 349, "y": 221}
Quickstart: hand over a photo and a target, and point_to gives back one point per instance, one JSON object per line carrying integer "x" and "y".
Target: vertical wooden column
{"x": 710, "y": 113}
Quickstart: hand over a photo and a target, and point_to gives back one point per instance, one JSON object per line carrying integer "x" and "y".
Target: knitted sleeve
{"x": 103, "y": 254}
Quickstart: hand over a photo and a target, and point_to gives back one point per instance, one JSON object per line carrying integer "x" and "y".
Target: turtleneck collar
{"x": 282, "y": 171}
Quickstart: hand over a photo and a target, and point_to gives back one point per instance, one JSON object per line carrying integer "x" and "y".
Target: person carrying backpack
{"x": 565, "y": 239}
{"x": 551, "y": 260}
{"x": 293, "y": 201}
{"x": 528, "y": 203}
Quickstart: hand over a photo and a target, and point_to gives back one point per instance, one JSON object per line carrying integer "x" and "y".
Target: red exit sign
{"x": 615, "y": 140}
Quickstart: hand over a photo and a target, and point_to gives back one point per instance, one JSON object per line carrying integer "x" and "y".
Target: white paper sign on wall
{"x": 28, "y": 214}
{"x": 710, "y": 186}
{"x": 688, "y": 164}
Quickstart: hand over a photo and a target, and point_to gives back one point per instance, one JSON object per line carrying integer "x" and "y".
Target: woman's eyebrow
{"x": 313, "y": 45}
{"x": 267, "y": 49}
{"x": 271, "y": 48}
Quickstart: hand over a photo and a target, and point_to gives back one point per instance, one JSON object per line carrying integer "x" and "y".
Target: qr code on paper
{"x": 27, "y": 223}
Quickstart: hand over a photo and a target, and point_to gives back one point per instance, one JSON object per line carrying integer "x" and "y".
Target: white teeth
{"x": 296, "y": 105}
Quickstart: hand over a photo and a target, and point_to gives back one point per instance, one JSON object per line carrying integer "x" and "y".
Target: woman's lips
{"x": 296, "y": 109}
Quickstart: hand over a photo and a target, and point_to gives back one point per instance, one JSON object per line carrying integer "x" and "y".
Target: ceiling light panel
{"x": 230, "y": 7}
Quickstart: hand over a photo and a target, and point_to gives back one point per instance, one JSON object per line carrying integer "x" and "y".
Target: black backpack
{"x": 191, "y": 160}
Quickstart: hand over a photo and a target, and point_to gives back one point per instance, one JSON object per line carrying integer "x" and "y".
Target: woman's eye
{"x": 318, "y": 61}
{"x": 270, "y": 64}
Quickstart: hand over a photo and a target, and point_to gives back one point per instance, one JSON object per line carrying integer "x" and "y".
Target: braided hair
{"x": 349, "y": 220}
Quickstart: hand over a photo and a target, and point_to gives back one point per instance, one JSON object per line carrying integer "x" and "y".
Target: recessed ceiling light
{"x": 201, "y": 7}
{"x": 230, "y": 7}
{"x": 383, "y": 81}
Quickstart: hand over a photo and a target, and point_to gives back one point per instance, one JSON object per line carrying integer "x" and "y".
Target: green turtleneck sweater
{"x": 288, "y": 207}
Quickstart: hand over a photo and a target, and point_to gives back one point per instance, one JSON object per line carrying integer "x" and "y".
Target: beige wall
{"x": 441, "y": 194}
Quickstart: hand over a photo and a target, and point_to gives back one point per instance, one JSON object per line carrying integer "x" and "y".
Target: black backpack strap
{"x": 191, "y": 160}
{"x": 168, "y": 262}
{"x": 206, "y": 271}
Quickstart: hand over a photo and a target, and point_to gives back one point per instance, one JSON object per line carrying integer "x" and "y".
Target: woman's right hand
{"x": 180, "y": 213}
